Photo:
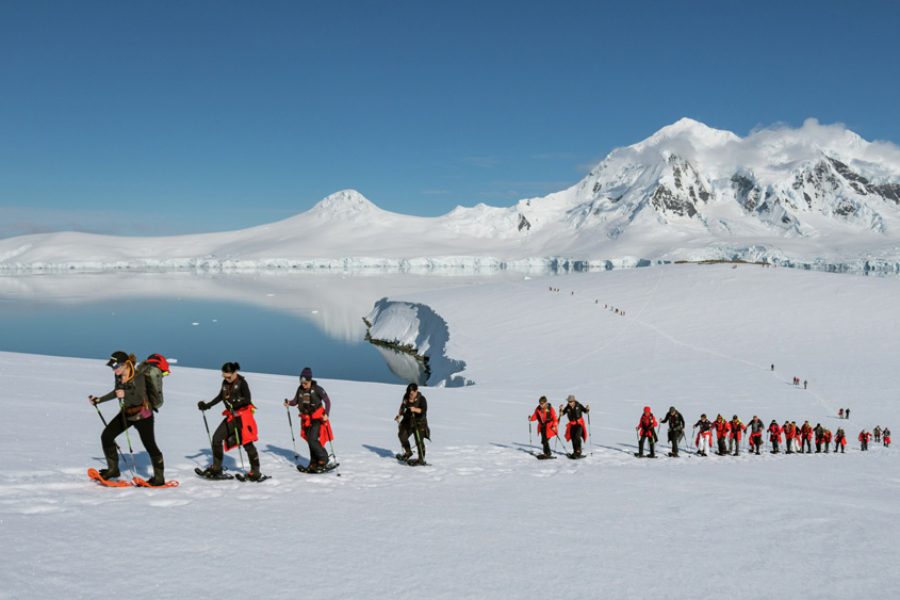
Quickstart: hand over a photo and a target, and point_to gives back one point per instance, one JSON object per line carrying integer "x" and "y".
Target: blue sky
{"x": 174, "y": 117}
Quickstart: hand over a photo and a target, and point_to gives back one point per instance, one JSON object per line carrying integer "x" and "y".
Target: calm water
{"x": 268, "y": 323}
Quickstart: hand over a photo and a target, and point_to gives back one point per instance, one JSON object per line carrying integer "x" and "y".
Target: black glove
{"x": 202, "y": 405}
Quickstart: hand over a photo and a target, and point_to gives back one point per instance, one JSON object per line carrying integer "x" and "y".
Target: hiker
{"x": 675, "y": 422}
{"x": 413, "y": 421}
{"x": 704, "y": 435}
{"x": 548, "y": 423}
{"x": 238, "y": 428}
{"x": 646, "y": 429}
{"x": 138, "y": 390}
{"x": 774, "y": 435}
{"x": 575, "y": 429}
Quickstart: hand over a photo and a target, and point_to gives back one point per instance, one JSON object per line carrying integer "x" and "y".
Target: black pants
{"x": 838, "y": 445}
{"x": 229, "y": 431}
{"x": 144, "y": 428}
{"x": 805, "y": 443}
{"x": 674, "y": 436}
{"x": 577, "y": 433}
{"x": 818, "y": 447}
{"x": 317, "y": 453}
{"x": 755, "y": 443}
{"x": 649, "y": 438}
{"x": 407, "y": 429}
{"x": 865, "y": 445}
{"x": 545, "y": 441}
{"x": 721, "y": 441}
{"x": 775, "y": 447}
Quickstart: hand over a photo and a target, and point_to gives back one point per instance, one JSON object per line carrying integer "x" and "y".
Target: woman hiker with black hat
{"x": 575, "y": 429}
{"x": 314, "y": 406}
{"x": 238, "y": 428}
{"x": 138, "y": 391}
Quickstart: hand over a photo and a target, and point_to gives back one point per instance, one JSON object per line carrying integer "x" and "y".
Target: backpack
{"x": 155, "y": 367}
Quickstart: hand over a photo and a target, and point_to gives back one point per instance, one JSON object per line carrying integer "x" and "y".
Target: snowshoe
{"x": 417, "y": 462}
{"x": 317, "y": 470}
{"x": 544, "y": 456}
{"x": 95, "y": 475}
{"x": 254, "y": 476}
{"x": 574, "y": 456}
{"x": 403, "y": 457}
{"x": 138, "y": 482}
{"x": 216, "y": 475}
{"x": 672, "y": 455}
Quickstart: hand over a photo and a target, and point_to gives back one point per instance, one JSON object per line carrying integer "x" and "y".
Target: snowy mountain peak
{"x": 694, "y": 132}
{"x": 344, "y": 204}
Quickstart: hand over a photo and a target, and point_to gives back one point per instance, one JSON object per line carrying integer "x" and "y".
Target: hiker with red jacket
{"x": 886, "y": 437}
{"x": 575, "y": 429}
{"x": 315, "y": 427}
{"x": 826, "y": 440}
{"x": 790, "y": 432}
{"x": 864, "y": 437}
{"x": 806, "y": 436}
{"x": 756, "y": 432}
{"x": 840, "y": 440}
{"x": 138, "y": 390}
{"x": 722, "y": 428}
{"x": 704, "y": 435}
{"x": 548, "y": 423}
{"x": 774, "y": 435}
{"x": 646, "y": 429}
{"x": 238, "y": 428}
{"x": 735, "y": 431}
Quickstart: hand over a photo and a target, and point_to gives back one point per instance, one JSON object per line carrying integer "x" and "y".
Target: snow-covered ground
{"x": 487, "y": 520}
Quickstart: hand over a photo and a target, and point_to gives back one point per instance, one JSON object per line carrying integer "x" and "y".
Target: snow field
{"x": 487, "y": 520}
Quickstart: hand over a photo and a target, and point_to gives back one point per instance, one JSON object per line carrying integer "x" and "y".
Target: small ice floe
{"x": 195, "y": 323}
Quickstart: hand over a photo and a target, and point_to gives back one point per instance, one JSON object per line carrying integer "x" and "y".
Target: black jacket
{"x": 311, "y": 399}
{"x": 573, "y": 412}
{"x": 675, "y": 421}
{"x": 235, "y": 395}
{"x": 408, "y": 417}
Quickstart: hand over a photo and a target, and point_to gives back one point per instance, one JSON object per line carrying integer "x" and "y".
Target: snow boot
{"x": 158, "y": 469}
{"x": 213, "y": 472}
{"x": 112, "y": 463}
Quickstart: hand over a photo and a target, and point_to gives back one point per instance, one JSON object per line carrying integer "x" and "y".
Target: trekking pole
{"x": 293, "y": 439}
{"x": 590, "y": 435}
{"x": 237, "y": 437}
{"x": 331, "y": 442}
{"x": 693, "y": 429}
{"x": 206, "y": 424}
{"x": 105, "y": 425}
{"x": 530, "y": 440}
{"x": 566, "y": 448}
{"x": 128, "y": 438}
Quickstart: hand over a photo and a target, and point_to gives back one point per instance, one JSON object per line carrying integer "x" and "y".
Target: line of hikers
{"x": 728, "y": 433}
{"x": 139, "y": 391}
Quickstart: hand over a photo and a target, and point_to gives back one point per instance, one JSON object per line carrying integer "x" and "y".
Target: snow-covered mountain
{"x": 818, "y": 196}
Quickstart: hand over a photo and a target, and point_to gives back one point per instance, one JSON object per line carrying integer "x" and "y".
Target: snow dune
{"x": 486, "y": 520}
